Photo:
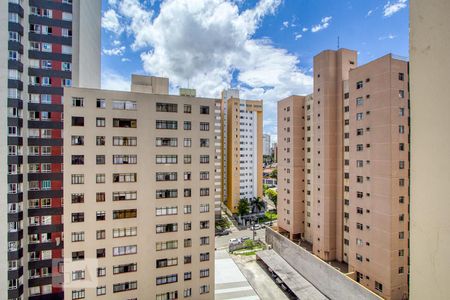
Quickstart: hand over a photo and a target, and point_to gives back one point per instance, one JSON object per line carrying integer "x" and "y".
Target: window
{"x": 77, "y": 140}
{"x": 187, "y": 259}
{"x": 204, "y": 159}
{"x": 166, "y": 279}
{"x": 78, "y": 236}
{"x": 187, "y": 159}
{"x": 100, "y": 215}
{"x": 204, "y": 126}
{"x": 124, "y": 141}
{"x": 187, "y": 276}
{"x": 160, "y": 246}
{"x": 100, "y": 197}
{"x": 401, "y": 76}
{"x": 166, "y": 211}
{"x": 401, "y": 94}
{"x": 401, "y": 129}
{"x": 124, "y": 196}
{"x": 124, "y": 177}
{"x": 126, "y": 268}
{"x": 77, "y": 217}
{"x": 100, "y": 122}
{"x": 401, "y": 165}
{"x": 101, "y": 234}
{"x": 125, "y": 159}
{"x": 124, "y": 123}
{"x": 78, "y": 294}
{"x": 167, "y": 296}
{"x": 401, "y": 147}
{"x": 359, "y": 85}
{"x": 204, "y": 240}
{"x": 187, "y": 108}
{"x": 359, "y": 147}
{"x": 101, "y": 290}
{"x": 401, "y": 252}
{"x": 77, "y": 178}
{"x": 166, "y": 124}
{"x": 124, "y": 250}
{"x": 187, "y": 243}
{"x": 125, "y": 286}
{"x": 100, "y": 141}
{"x": 101, "y": 253}
{"x": 166, "y": 159}
{"x": 77, "y": 121}
{"x": 169, "y": 193}
{"x": 124, "y": 214}
{"x": 77, "y": 159}
{"x": 204, "y": 289}
{"x": 124, "y": 232}
{"x": 204, "y": 143}
{"x": 204, "y": 256}
{"x": 171, "y": 227}
{"x": 101, "y": 272}
{"x": 359, "y": 226}
{"x": 100, "y": 159}
{"x": 187, "y": 125}
{"x": 359, "y": 257}
{"x": 359, "y": 116}
{"x": 204, "y": 110}
{"x": 77, "y": 198}
{"x": 166, "y": 142}
{"x": 187, "y": 193}
{"x": 100, "y": 178}
{"x": 401, "y": 112}
{"x": 401, "y": 235}
{"x": 204, "y": 273}
{"x": 166, "y": 176}
{"x": 187, "y": 142}
{"x": 166, "y": 107}
{"x": 187, "y": 209}
{"x": 77, "y": 255}
{"x": 124, "y": 105}
{"x": 204, "y": 175}
{"x": 378, "y": 286}
{"x": 204, "y": 208}
{"x": 204, "y": 191}
{"x": 187, "y": 226}
{"x": 101, "y": 103}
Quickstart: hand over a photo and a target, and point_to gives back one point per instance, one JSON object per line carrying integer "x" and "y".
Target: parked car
{"x": 234, "y": 241}
{"x": 243, "y": 239}
{"x": 223, "y": 232}
{"x": 256, "y": 227}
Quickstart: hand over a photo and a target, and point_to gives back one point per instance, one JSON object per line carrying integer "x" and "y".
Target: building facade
{"x": 266, "y": 145}
{"x": 430, "y": 146}
{"x": 140, "y": 183}
{"x": 354, "y": 201}
{"x": 242, "y": 148}
{"x": 45, "y": 47}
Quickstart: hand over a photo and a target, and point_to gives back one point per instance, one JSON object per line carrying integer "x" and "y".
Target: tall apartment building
{"x": 45, "y": 46}
{"x": 291, "y": 166}
{"x": 139, "y": 184}
{"x": 242, "y": 127}
{"x": 355, "y": 199}
{"x": 266, "y": 144}
{"x": 430, "y": 148}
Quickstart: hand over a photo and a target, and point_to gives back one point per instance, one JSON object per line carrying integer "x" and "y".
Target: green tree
{"x": 274, "y": 174}
{"x": 243, "y": 207}
{"x": 258, "y": 204}
{"x": 272, "y": 195}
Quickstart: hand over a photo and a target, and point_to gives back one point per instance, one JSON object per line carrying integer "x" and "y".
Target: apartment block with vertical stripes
{"x": 343, "y": 168}
{"x": 45, "y": 46}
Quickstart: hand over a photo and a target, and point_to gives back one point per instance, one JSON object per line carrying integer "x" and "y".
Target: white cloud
{"x": 390, "y": 36}
{"x": 369, "y": 13}
{"x": 392, "y": 8}
{"x": 116, "y": 43}
{"x": 114, "y": 51}
{"x": 110, "y": 22}
{"x": 305, "y": 29}
{"x": 298, "y": 36}
{"x": 324, "y": 23}
{"x": 286, "y": 24}
{"x": 125, "y": 59}
{"x": 205, "y": 42}
{"x": 114, "y": 81}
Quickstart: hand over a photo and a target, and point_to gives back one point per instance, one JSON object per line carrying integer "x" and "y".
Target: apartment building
{"x": 291, "y": 166}
{"x": 139, "y": 183}
{"x": 266, "y": 144}
{"x": 242, "y": 152}
{"x": 430, "y": 146}
{"x": 355, "y": 198}
{"x": 45, "y": 46}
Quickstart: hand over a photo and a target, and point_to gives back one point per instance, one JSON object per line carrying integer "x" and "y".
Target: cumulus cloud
{"x": 116, "y": 43}
{"x": 110, "y": 21}
{"x": 114, "y": 81}
{"x": 305, "y": 29}
{"x": 119, "y": 51}
{"x": 324, "y": 23}
{"x": 394, "y": 7}
{"x": 209, "y": 43}
{"x": 286, "y": 24}
{"x": 298, "y": 36}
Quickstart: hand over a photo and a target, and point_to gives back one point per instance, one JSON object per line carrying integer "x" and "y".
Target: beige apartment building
{"x": 430, "y": 148}
{"x": 139, "y": 183}
{"x": 242, "y": 148}
{"x": 353, "y": 197}
{"x": 291, "y": 166}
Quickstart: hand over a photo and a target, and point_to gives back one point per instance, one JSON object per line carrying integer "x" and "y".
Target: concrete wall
{"x": 332, "y": 283}
{"x": 430, "y": 148}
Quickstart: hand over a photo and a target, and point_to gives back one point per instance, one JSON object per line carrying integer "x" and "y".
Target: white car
{"x": 256, "y": 227}
{"x": 234, "y": 241}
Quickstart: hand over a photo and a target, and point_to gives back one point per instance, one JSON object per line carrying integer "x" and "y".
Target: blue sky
{"x": 263, "y": 47}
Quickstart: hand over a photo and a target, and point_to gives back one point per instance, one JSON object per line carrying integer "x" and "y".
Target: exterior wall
{"x": 309, "y": 169}
{"x": 329, "y": 281}
{"x": 150, "y": 84}
{"x": 291, "y": 166}
{"x": 382, "y": 216}
{"x": 430, "y": 146}
{"x": 243, "y": 161}
{"x": 266, "y": 144}
{"x": 330, "y": 69}
{"x": 146, "y": 186}
{"x": 47, "y": 60}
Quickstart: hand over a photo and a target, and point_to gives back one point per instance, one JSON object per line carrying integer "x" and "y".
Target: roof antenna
{"x": 338, "y": 44}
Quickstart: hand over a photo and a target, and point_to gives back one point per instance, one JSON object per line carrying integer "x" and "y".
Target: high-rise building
{"x": 140, "y": 181}
{"x": 430, "y": 148}
{"x": 45, "y": 46}
{"x": 352, "y": 205}
{"x": 266, "y": 145}
{"x": 242, "y": 126}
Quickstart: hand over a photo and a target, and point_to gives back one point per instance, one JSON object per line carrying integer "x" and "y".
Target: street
{"x": 222, "y": 241}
